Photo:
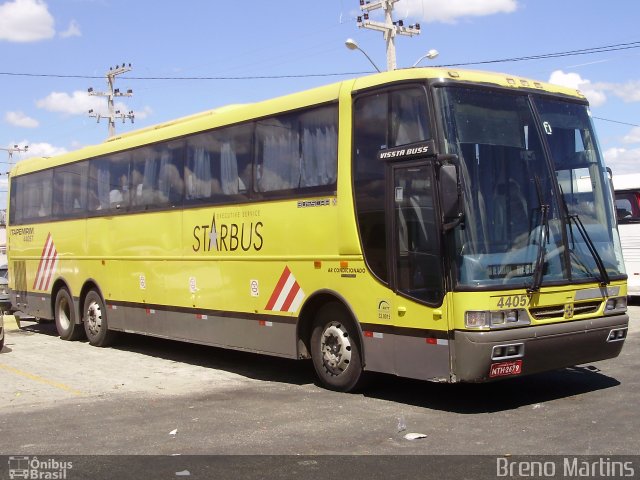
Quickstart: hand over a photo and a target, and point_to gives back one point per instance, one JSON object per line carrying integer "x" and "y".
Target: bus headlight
{"x": 616, "y": 305}
{"x": 495, "y": 318}
{"x": 476, "y": 319}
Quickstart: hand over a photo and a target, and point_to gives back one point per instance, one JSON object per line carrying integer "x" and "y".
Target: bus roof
{"x": 626, "y": 181}
{"x": 231, "y": 114}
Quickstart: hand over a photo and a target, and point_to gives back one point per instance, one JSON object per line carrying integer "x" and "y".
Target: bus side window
{"x": 119, "y": 181}
{"x": 99, "y": 184}
{"x": 33, "y": 197}
{"x": 201, "y": 182}
{"x": 408, "y": 120}
{"x": 218, "y": 165}
{"x": 297, "y": 152}
{"x": 370, "y": 135}
{"x": 319, "y": 157}
{"x": 170, "y": 184}
{"x": 70, "y": 190}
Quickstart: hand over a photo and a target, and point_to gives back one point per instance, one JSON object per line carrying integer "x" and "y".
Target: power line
{"x": 616, "y": 121}
{"x": 544, "y": 56}
{"x": 568, "y": 53}
{"x": 252, "y": 77}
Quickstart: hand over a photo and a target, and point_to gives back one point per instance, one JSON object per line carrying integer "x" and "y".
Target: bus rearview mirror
{"x": 450, "y": 194}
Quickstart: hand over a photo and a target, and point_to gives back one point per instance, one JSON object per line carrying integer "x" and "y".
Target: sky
{"x": 193, "y": 55}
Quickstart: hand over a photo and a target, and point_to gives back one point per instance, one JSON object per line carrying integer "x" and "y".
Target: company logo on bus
{"x": 229, "y": 232}
{"x": 406, "y": 152}
{"x": 568, "y": 311}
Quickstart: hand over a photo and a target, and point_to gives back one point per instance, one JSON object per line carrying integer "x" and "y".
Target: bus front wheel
{"x": 334, "y": 349}
{"x": 95, "y": 321}
{"x": 65, "y": 317}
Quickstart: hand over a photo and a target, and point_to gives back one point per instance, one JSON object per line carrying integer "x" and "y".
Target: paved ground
{"x": 150, "y": 396}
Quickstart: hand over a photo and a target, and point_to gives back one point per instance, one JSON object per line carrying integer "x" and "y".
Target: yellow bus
{"x": 421, "y": 222}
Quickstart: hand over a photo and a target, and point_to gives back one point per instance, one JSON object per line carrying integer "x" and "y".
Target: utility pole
{"x": 110, "y": 94}
{"x": 389, "y": 28}
{"x": 11, "y": 151}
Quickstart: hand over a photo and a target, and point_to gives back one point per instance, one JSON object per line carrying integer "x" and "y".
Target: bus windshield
{"x": 537, "y": 199}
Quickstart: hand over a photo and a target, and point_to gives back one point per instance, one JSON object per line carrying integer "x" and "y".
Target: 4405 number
{"x": 514, "y": 301}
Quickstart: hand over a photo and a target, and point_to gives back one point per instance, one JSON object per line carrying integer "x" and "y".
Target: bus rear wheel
{"x": 65, "y": 317}
{"x": 95, "y": 321}
{"x": 334, "y": 349}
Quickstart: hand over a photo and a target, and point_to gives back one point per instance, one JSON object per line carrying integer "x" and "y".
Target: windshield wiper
{"x": 536, "y": 281}
{"x": 604, "y": 276}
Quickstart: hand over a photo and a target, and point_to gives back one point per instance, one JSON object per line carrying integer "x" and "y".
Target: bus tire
{"x": 65, "y": 317}
{"x": 334, "y": 349}
{"x": 95, "y": 322}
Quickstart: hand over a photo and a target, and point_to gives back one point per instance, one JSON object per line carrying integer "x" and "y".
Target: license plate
{"x": 504, "y": 369}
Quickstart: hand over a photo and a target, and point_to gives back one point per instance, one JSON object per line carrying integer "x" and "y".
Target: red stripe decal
{"x": 276, "y": 292}
{"x": 292, "y": 295}
{"x": 48, "y": 266}
{"x": 42, "y": 257}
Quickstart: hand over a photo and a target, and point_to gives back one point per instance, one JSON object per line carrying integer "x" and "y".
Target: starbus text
{"x": 228, "y": 237}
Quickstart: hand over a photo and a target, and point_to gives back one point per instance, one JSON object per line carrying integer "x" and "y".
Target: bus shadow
{"x": 466, "y": 398}
{"x": 456, "y": 398}
{"x": 43, "y": 327}
{"x": 460, "y": 398}
{"x": 247, "y": 364}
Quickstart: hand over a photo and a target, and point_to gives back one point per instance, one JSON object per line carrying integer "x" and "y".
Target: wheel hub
{"x": 94, "y": 318}
{"x": 336, "y": 348}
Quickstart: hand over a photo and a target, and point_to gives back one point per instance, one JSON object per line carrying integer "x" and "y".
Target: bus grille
{"x": 558, "y": 311}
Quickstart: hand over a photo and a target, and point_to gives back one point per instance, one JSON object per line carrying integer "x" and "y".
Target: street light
{"x": 352, "y": 45}
{"x": 431, "y": 54}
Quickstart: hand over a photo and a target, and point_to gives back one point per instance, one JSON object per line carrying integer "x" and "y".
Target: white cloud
{"x": 633, "y": 136}
{"x": 25, "y": 21}
{"x": 19, "y": 119}
{"x": 595, "y": 93}
{"x": 622, "y": 161}
{"x": 78, "y": 103}
{"x": 144, "y": 113}
{"x": 44, "y": 150}
{"x": 629, "y": 92}
{"x": 72, "y": 31}
{"x": 449, "y": 11}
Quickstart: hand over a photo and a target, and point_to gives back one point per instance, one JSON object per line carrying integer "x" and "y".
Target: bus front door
{"x": 421, "y": 340}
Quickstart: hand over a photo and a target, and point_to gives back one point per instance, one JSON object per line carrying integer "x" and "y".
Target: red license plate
{"x": 504, "y": 369}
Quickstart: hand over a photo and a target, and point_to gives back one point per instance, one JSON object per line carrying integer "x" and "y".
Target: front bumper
{"x": 541, "y": 347}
